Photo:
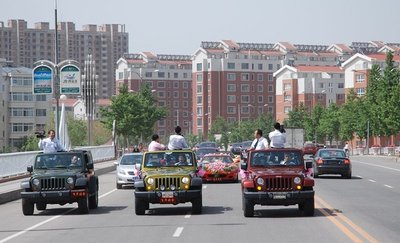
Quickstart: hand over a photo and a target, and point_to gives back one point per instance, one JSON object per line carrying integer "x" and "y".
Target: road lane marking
{"x": 388, "y": 186}
{"x": 339, "y": 225}
{"x": 46, "y": 221}
{"x": 380, "y": 166}
{"x": 187, "y": 216}
{"x": 371, "y": 180}
{"x": 355, "y": 227}
{"x": 178, "y": 232}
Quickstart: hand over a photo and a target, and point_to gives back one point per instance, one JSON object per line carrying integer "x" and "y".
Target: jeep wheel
{"x": 94, "y": 200}
{"x": 83, "y": 205}
{"x": 27, "y": 207}
{"x": 41, "y": 206}
{"x": 140, "y": 207}
{"x": 248, "y": 208}
{"x": 119, "y": 186}
{"x": 197, "y": 206}
{"x": 308, "y": 207}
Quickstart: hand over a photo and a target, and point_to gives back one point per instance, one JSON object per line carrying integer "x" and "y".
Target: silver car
{"x": 128, "y": 169}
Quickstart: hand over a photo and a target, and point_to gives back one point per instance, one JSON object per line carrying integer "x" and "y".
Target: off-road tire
{"x": 309, "y": 207}
{"x": 83, "y": 205}
{"x": 248, "y": 208}
{"x": 197, "y": 205}
{"x": 94, "y": 200}
{"x": 140, "y": 206}
{"x": 27, "y": 207}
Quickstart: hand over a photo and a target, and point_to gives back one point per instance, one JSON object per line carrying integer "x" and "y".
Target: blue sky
{"x": 179, "y": 26}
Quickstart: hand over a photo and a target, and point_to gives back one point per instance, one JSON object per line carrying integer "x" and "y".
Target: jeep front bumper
{"x": 54, "y": 197}
{"x": 278, "y": 198}
{"x": 176, "y": 197}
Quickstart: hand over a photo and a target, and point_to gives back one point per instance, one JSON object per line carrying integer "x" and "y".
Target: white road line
{"x": 204, "y": 187}
{"x": 178, "y": 232}
{"x": 381, "y": 166}
{"x": 388, "y": 186}
{"x": 358, "y": 176}
{"x": 188, "y": 215}
{"x": 371, "y": 180}
{"x": 46, "y": 221}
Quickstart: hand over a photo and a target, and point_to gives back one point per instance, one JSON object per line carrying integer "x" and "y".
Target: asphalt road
{"x": 363, "y": 209}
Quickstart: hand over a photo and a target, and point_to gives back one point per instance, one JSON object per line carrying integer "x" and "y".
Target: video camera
{"x": 282, "y": 129}
{"x": 40, "y": 134}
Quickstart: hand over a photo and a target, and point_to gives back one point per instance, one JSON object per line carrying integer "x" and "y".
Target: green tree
{"x": 330, "y": 124}
{"x": 348, "y": 117}
{"x": 220, "y": 126}
{"x": 297, "y": 116}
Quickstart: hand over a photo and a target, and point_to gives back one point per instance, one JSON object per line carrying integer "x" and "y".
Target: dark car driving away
{"x": 331, "y": 161}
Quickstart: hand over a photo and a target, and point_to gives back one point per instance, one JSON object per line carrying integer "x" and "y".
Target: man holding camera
{"x": 50, "y": 144}
{"x": 277, "y": 137}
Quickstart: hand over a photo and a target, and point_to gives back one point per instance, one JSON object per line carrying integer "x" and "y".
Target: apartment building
{"x": 170, "y": 79}
{"x": 309, "y": 85}
{"x": 21, "y": 112}
{"x": 107, "y": 43}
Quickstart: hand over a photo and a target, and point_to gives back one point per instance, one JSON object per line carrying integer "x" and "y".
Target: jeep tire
{"x": 41, "y": 206}
{"x": 197, "y": 205}
{"x": 94, "y": 200}
{"x": 248, "y": 208}
{"x": 308, "y": 207}
{"x": 83, "y": 205}
{"x": 140, "y": 206}
{"x": 27, "y": 207}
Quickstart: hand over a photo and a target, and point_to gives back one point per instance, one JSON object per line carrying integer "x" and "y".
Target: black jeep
{"x": 60, "y": 178}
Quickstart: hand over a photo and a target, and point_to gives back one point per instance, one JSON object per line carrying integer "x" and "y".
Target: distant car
{"x": 236, "y": 148}
{"x": 200, "y": 152}
{"x": 310, "y": 148}
{"x": 218, "y": 167}
{"x": 128, "y": 169}
{"x": 208, "y": 145}
{"x": 331, "y": 161}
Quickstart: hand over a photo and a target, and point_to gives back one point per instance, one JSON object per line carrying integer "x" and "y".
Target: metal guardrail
{"x": 15, "y": 163}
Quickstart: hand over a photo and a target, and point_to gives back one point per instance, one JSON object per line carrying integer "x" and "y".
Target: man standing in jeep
{"x": 50, "y": 144}
{"x": 277, "y": 138}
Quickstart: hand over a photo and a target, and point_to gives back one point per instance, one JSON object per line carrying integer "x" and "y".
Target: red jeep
{"x": 277, "y": 177}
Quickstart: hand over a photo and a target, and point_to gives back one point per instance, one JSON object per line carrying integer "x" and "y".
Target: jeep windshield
{"x": 275, "y": 158}
{"x": 58, "y": 161}
{"x": 169, "y": 159}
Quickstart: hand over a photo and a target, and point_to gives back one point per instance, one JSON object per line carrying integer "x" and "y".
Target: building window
{"x": 321, "y": 85}
{"x": 360, "y": 91}
{"x": 199, "y": 88}
{"x": 288, "y": 98}
{"x": 160, "y": 84}
{"x": 245, "y": 65}
{"x": 340, "y": 85}
{"x": 41, "y": 98}
{"x": 270, "y": 66}
{"x": 176, "y": 94}
{"x": 231, "y": 98}
{"x": 360, "y": 78}
{"x": 340, "y": 96}
{"x": 199, "y": 77}
{"x": 230, "y": 110}
{"x": 231, "y": 65}
{"x": 260, "y": 88}
{"x": 244, "y": 88}
{"x": 199, "y": 100}
{"x": 287, "y": 109}
{"x": 270, "y": 88}
{"x": 270, "y": 77}
{"x": 185, "y": 85}
{"x": 260, "y": 77}
{"x": 161, "y": 74}
{"x": 41, "y": 112}
{"x": 245, "y": 77}
{"x": 260, "y": 66}
{"x": 245, "y": 99}
{"x": 199, "y": 67}
{"x": 231, "y": 88}
{"x": 287, "y": 87}
{"x": 176, "y": 75}
{"x": 231, "y": 76}
{"x": 148, "y": 74}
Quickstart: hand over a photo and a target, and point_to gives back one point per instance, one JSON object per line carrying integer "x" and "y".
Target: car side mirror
{"x": 29, "y": 168}
{"x": 243, "y": 165}
{"x": 89, "y": 166}
{"x": 309, "y": 165}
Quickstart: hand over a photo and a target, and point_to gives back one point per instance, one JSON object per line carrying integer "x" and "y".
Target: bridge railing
{"x": 15, "y": 163}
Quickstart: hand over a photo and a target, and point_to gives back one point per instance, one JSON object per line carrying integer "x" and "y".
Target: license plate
{"x": 278, "y": 195}
{"x": 167, "y": 194}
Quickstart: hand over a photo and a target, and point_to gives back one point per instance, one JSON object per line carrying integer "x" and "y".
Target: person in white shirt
{"x": 277, "y": 138}
{"x": 177, "y": 141}
{"x": 50, "y": 144}
{"x": 155, "y": 145}
{"x": 259, "y": 141}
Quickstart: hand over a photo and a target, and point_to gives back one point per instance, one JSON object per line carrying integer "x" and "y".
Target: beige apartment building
{"x": 21, "y": 112}
{"x": 170, "y": 77}
{"x": 107, "y": 43}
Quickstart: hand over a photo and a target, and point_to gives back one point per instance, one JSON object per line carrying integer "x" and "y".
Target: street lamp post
{"x": 238, "y": 108}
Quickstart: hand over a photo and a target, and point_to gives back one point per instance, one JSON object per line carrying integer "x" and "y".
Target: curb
{"x": 16, "y": 194}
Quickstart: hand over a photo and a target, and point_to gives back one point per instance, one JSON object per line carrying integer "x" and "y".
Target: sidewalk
{"x": 10, "y": 190}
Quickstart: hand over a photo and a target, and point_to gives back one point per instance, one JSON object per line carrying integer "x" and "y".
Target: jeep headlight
{"x": 185, "y": 180}
{"x": 260, "y": 181}
{"x": 35, "y": 182}
{"x": 70, "y": 180}
{"x": 297, "y": 180}
{"x": 150, "y": 181}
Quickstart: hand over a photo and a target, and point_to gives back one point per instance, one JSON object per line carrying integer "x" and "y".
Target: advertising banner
{"x": 70, "y": 80}
{"x": 42, "y": 80}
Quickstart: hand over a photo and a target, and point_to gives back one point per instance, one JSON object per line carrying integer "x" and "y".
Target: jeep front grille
{"x": 279, "y": 183}
{"x": 49, "y": 184}
{"x": 167, "y": 182}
